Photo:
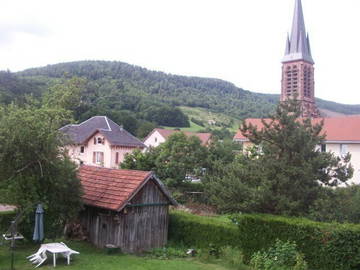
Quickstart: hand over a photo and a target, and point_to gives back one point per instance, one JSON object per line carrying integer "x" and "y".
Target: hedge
{"x": 200, "y": 232}
{"x": 327, "y": 246}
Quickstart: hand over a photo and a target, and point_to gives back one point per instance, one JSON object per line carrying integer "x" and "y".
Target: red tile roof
{"x": 110, "y": 188}
{"x": 204, "y": 137}
{"x": 337, "y": 129}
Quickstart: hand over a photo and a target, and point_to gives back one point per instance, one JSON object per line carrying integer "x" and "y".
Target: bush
{"x": 5, "y": 220}
{"x": 283, "y": 255}
{"x": 202, "y": 232}
{"x": 329, "y": 246}
{"x": 197, "y": 121}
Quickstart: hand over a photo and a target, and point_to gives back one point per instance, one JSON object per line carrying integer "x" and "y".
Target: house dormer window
{"x": 99, "y": 140}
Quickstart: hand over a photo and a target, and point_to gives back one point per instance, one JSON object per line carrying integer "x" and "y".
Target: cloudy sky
{"x": 241, "y": 41}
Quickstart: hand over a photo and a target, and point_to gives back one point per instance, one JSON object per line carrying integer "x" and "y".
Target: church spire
{"x": 298, "y": 45}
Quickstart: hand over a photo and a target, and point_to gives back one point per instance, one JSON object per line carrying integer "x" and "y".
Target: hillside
{"x": 141, "y": 99}
{"x": 212, "y": 94}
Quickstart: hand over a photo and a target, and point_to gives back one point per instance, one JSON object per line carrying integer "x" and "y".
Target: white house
{"x": 342, "y": 136}
{"x": 99, "y": 141}
{"x": 158, "y": 136}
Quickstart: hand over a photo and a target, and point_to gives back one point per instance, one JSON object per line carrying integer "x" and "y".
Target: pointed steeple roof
{"x": 298, "y": 45}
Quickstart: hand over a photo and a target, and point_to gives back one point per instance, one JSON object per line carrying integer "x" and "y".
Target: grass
{"x": 204, "y": 115}
{"x": 91, "y": 258}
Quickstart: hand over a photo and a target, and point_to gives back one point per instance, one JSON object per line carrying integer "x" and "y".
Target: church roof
{"x": 298, "y": 44}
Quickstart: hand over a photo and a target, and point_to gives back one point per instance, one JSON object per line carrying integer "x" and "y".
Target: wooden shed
{"x": 125, "y": 208}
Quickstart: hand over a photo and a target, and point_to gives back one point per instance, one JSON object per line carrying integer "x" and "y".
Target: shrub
{"x": 202, "y": 232}
{"x": 283, "y": 255}
{"x": 197, "y": 121}
{"x": 233, "y": 257}
{"x": 5, "y": 220}
{"x": 329, "y": 246}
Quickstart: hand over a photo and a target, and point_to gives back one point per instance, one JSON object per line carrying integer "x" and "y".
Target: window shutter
{"x": 94, "y": 157}
{"x": 117, "y": 158}
{"x": 102, "y": 157}
{"x": 94, "y": 140}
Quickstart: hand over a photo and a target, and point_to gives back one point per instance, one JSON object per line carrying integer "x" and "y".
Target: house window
{"x": 323, "y": 148}
{"x": 98, "y": 157}
{"x": 99, "y": 140}
{"x": 82, "y": 149}
{"x": 155, "y": 139}
{"x": 343, "y": 149}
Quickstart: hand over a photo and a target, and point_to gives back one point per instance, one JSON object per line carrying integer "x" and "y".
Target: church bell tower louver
{"x": 298, "y": 66}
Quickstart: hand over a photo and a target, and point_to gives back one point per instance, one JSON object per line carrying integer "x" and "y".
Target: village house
{"x": 158, "y": 136}
{"x": 342, "y": 136}
{"x": 124, "y": 208}
{"x": 99, "y": 141}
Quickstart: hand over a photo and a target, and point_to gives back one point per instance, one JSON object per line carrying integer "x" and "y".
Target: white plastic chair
{"x": 38, "y": 258}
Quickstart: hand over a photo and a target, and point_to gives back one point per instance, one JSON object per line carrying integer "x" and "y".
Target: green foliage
{"x": 341, "y": 204}
{"x": 202, "y": 232}
{"x": 283, "y": 255}
{"x": 5, "y": 219}
{"x": 233, "y": 257}
{"x": 165, "y": 115}
{"x": 284, "y": 174}
{"x": 172, "y": 161}
{"x": 67, "y": 94}
{"x": 197, "y": 121}
{"x": 166, "y": 253}
{"x": 326, "y": 246}
{"x": 34, "y": 166}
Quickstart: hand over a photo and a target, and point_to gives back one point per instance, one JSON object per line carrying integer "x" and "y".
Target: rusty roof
{"x": 113, "y": 188}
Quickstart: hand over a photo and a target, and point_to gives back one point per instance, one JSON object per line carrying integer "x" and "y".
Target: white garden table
{"x": 55, "y": 249}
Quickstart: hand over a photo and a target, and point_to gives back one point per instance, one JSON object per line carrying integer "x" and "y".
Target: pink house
{"x": 99, "y": 141}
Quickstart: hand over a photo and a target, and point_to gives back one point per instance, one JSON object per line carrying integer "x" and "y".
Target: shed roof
{"x": 113, "y": 188}
{"x": 336, "y": 129}
{"x": 204, "y": 137}
{"x": 115, "y": 134}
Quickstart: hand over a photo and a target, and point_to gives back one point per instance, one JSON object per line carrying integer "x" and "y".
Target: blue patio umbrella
{"x": 38, "y": 235}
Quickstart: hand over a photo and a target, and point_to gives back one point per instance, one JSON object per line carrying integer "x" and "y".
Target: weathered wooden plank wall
{"x": 136, "y": 228}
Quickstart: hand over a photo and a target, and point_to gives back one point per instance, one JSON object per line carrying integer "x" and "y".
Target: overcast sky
{"x": 241, "y": 41}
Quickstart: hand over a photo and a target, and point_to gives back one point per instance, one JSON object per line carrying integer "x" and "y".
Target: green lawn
{"x": 205, "y": 115}
{"x": 91, "y": 258}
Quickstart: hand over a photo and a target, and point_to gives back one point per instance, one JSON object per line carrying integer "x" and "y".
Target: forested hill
{"x": 213, "y": 94}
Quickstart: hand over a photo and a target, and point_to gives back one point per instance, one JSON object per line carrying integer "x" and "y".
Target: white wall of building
{"x": 154, "y": 140}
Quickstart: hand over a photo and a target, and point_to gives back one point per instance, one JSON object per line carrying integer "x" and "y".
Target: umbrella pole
{"x": 12, "y": 246}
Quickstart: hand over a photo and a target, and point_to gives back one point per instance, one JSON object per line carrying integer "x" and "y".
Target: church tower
{"x": 298, "y": 66}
